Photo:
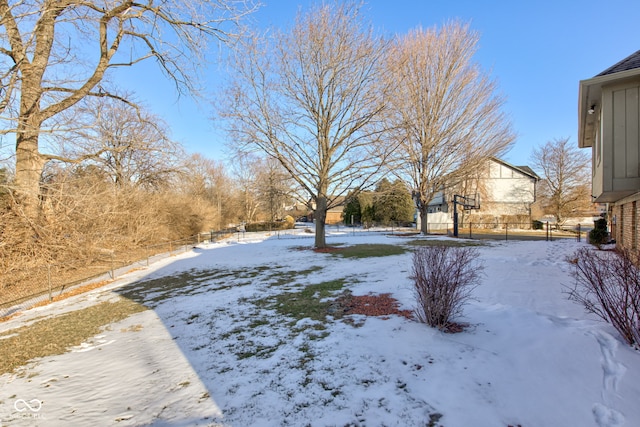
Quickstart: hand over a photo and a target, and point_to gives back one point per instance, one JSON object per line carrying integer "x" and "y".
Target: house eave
{"x": 589, "y": 99}
{"x": 613, "y": 196}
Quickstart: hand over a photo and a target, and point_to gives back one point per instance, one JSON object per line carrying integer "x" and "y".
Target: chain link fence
{"x": 24, "y": 289}
{"x": 482, "y": 230}
{"x": 510, "y": 231}
{"x": 27, "y": 288}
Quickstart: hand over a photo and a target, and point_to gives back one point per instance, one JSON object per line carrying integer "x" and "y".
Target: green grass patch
{"x": 56, "y": 335}
{"x": 282, "y": 278}
{"x": 369, "y": 250}
{"x": 257, "y": 323}
{"x": 310, "y": 302}
{"x": 259, "y": 351}
{"x": 153, "y": 292}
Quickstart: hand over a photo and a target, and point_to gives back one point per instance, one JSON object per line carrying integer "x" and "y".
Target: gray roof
{"x": 630, "y": 62}
{"x": 528, "y": 170}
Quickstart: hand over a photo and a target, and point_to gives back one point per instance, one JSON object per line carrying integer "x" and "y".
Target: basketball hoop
{"x": 468, "y": 203}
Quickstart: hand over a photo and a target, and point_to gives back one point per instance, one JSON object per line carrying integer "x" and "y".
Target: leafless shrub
{"x": 607, "y": 284}
{"x": 444, "y": 278}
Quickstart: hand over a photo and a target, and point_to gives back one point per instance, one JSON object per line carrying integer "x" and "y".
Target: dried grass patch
{"x": 56, "y": 335}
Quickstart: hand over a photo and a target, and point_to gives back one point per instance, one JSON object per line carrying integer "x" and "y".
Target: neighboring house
{"x": 503, "y": 192}
{"x": 609, "y": 123}
{"x": 334, "y": 215}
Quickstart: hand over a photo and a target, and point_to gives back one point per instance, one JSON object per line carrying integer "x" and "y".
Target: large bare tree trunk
{"x": 320, "y": 218}
{"x": 29, "y": 167}
{"x": 424, "y": 226}
{"x": 29, "y": 162}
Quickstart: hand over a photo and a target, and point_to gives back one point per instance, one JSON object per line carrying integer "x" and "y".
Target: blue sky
{"x": 538, "y": 52}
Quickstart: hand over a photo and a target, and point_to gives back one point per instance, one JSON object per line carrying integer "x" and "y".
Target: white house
{"x": 502, "y": 192}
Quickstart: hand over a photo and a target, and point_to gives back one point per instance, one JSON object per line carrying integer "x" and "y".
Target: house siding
{"x": 614, "y": 135}
{"x": 617, "y": 155}
{"x": 625, "y": 121}
{"x": 507, "y": 191}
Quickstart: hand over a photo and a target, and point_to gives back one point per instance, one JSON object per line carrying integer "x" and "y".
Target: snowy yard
{"x": 215, "y": 347}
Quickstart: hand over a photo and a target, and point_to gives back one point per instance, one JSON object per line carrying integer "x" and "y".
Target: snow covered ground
{"x": 211, "y": 352}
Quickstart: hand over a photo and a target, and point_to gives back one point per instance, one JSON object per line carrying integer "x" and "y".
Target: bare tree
{"x": 275, "y": 188}
{"x": 245, "y": 173}
{"x": 446, "y": 113}
{"x": 55, "y": 53}
{"x": 566, "y": 181}
{"x": 312, "y": 99}
{"x": 129, "y": 144}
{"x": 208, "y": 180}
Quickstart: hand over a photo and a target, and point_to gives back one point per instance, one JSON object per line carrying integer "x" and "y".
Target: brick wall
{"x": 624, "y": 224}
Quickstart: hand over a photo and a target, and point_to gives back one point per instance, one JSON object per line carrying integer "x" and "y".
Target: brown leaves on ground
{"x": 381, "y": 305}
{"x": 372, "y": 305}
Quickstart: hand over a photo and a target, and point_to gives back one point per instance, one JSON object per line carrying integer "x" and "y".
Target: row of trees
{"x": 329, "y": 105}
{"x": 92, "y": 170}
{"x": 54, "y": 55}
{"x": 93, "y": 208}
{"x": 338, "y": 106}
{"x": 563, "y": 192}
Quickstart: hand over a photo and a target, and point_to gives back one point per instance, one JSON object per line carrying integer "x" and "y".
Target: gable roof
{"x": 529, "y": 171}
{"x": 629, "y": 63}
{"x": 525, "y": 170}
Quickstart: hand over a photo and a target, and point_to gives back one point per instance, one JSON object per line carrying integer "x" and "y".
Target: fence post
{"x": 579, "y": 233}
{"x": 49, "y": 282}
{"x": 113, "y": 274}
{"x": 470, "y": 227}
{"x": 506, "y": 231}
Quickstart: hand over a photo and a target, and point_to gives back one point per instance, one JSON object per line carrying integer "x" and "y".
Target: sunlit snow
{"x": 207, "y": 353}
